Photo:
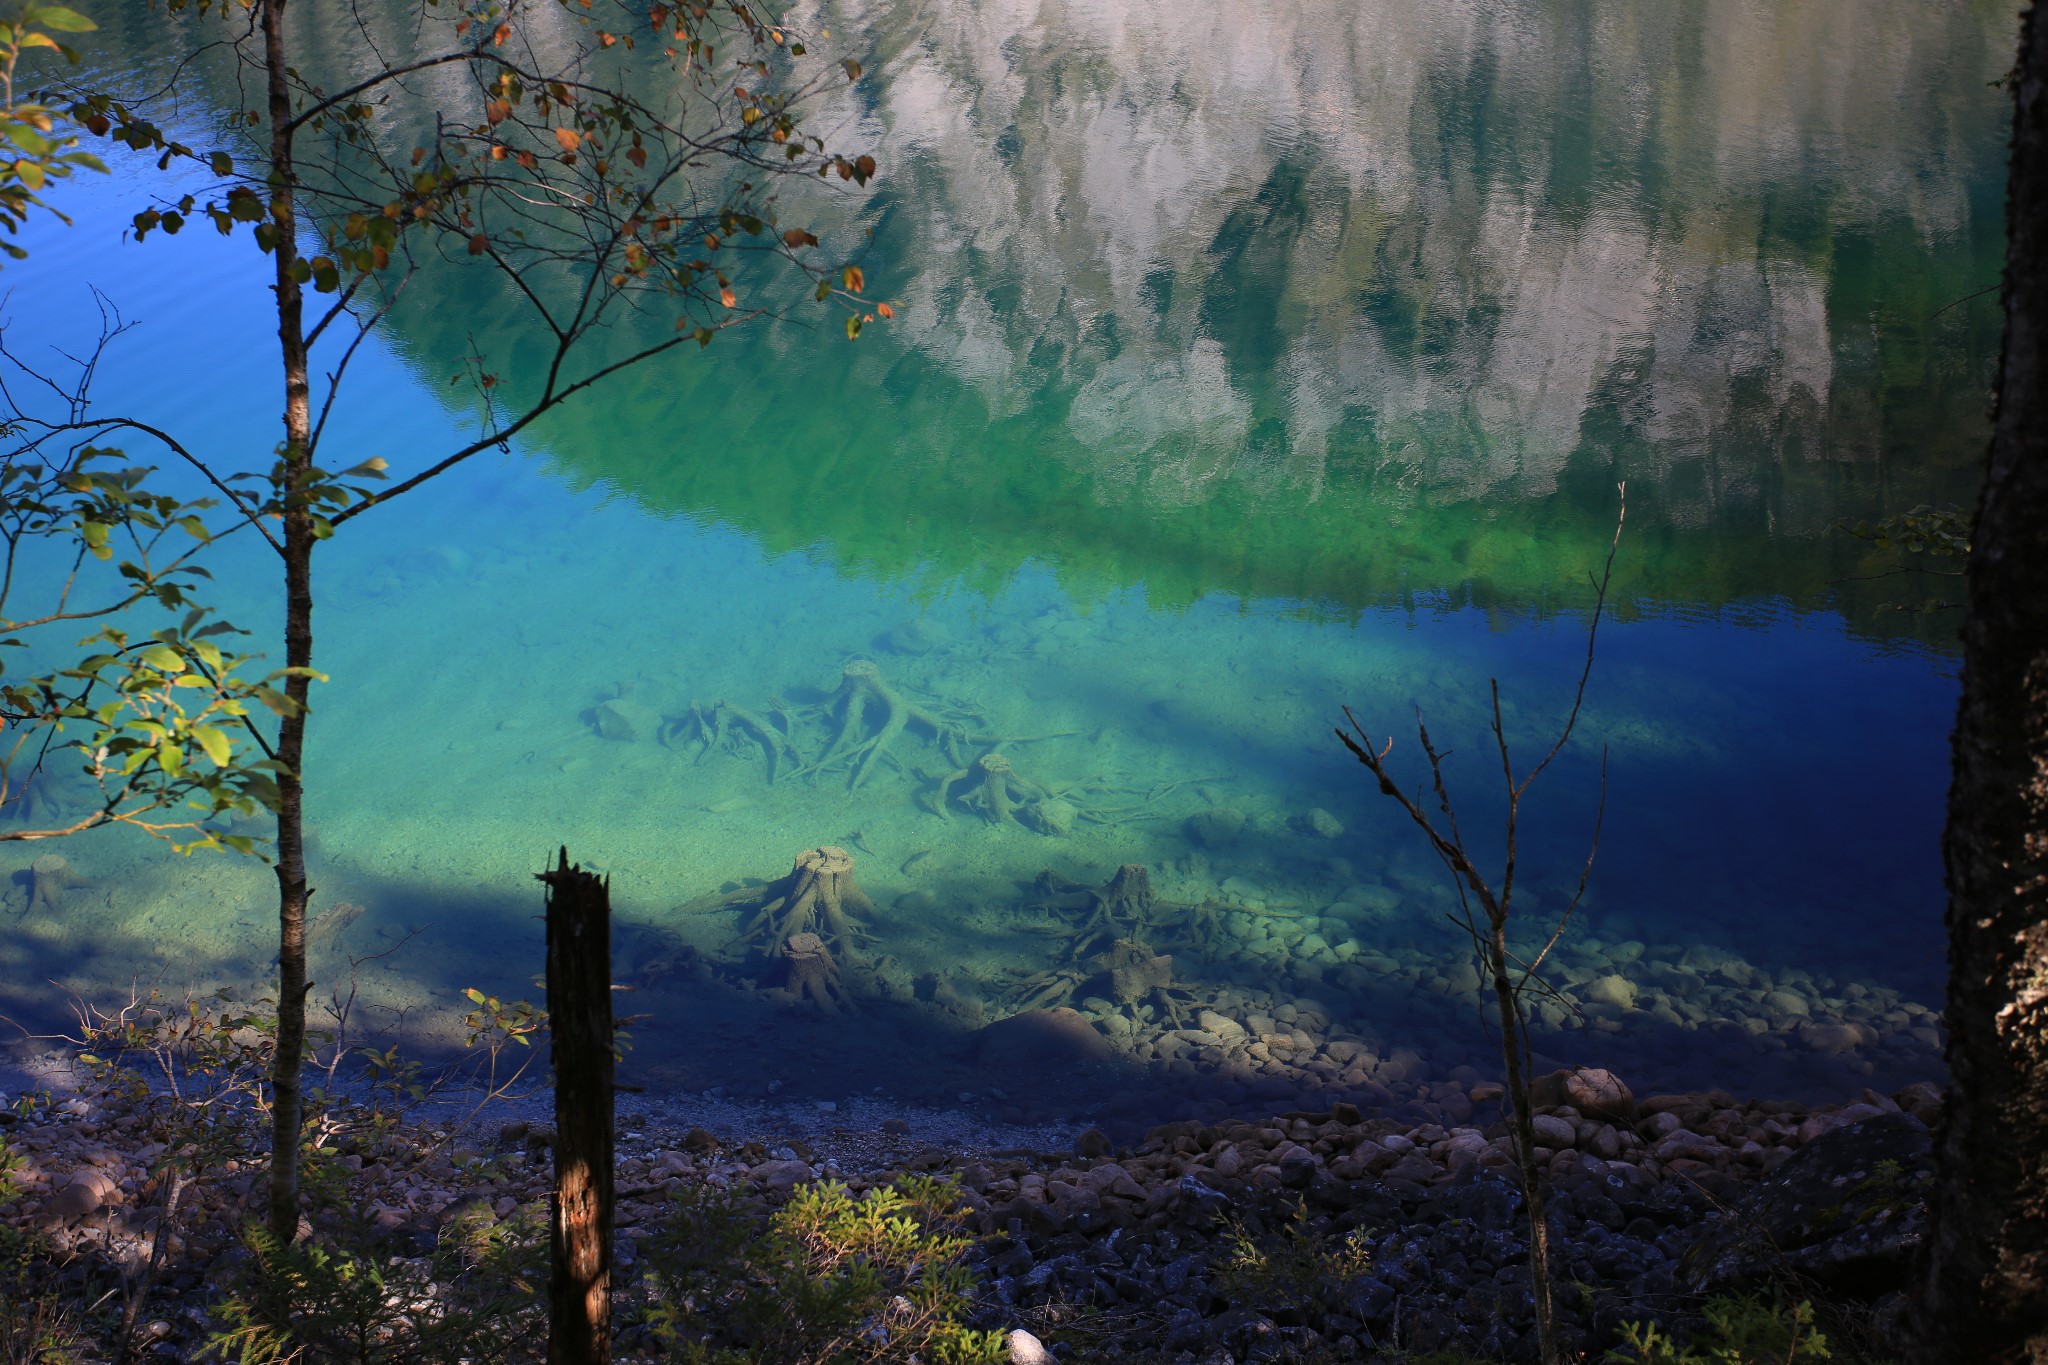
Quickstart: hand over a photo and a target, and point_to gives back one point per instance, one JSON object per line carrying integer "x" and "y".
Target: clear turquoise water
{"x": 1249, "y": 366}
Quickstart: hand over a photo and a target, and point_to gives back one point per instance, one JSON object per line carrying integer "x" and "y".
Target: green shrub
{"x": 1744, "y": 1330}
{"x": 478, "y": 1298}
{"x": 828, "y": 1279}
{"x": 1296, "y": 1268}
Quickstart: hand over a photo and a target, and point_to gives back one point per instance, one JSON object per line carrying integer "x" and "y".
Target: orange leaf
{"x": 498, "y": 38}
{"x": 478, "y": 244}
{"x": 637, "y": 155}
{"x": 884, "y": 310}
{"x": 569, "y": 138}
{"x": 728, "y": 298}
{"x": 497, "y": 111}
{"x": 853, "y": 278}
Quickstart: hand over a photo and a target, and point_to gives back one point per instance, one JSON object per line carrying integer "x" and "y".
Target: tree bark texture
{"x": 579, "y": 921}
{"x": 287, "y": 1097}
{"x": 1985, "y": 1291}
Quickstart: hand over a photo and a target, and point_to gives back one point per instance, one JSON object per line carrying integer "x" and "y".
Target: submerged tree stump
{"x": 579, "y": 968}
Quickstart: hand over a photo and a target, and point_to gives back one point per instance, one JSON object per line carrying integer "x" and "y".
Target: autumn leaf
{"x": 853, "y": 278}
{"x": 479, "y": 244}
{"x": 569, "y": 139}
{"x": 727, "y": 297}
{"x": 883, "y": 310}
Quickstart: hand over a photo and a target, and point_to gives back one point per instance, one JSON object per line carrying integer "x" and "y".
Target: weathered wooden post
{"x": 579, "y": 932}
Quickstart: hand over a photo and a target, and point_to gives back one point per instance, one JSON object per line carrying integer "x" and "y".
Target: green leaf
{"x": 58, "y": 18}
{"x": 165, "y": 658}
{"x": 215, "y": 743}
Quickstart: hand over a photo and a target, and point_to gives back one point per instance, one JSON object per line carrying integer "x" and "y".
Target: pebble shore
{"x": 1089, "y": 1250}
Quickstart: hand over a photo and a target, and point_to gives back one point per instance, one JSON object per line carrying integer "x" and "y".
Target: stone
{"x": 1225, "y": 1030}
{"x": 1923, "y": 1100}
{"x": 1039, "y": 1038}
{"x": 1025, "y": 1349}
{"x": 1554, "y": 1132}
{"x": 1050, "y": 816}
{"x": 1847, "y": 1211}
{"x": 623, "y": 719}
{"x": 1319, "y": 824}
{"x": 1093, "y": 1143}
{"x": 79, "y": 1198}
{"x": 1614, "y": 990}
{"x": 781, "y": 1175}
{"x": 1217, "y": 827}
{"x": 1593, "y": 1091}
{"x": 911, "y": 638}
{"x": 1786, "y": 1003}
{"x": 1833, "y": 1038}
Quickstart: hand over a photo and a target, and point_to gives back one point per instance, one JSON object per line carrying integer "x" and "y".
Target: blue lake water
{"x": 1248, "y": 366}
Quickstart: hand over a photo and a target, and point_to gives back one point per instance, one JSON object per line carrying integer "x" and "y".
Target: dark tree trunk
{"x": 1985, "y": 1292}
{"x": 287, "y": 1100}
{"x": 579, "y": 923}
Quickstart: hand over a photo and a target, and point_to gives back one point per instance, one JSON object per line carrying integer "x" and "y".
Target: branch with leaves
{"x": 40, "y": 142}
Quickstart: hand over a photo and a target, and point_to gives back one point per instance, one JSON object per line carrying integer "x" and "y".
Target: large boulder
{"x": 1848, "y": 1210}
{"x": 1593, "y": 1091}
{"x": 1040, "y": 1038}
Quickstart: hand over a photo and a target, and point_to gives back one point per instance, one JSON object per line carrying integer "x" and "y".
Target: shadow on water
{"x": 1409, "y": 1044}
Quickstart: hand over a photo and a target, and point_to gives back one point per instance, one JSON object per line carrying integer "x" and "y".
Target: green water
{"x": 1249, "y": 363}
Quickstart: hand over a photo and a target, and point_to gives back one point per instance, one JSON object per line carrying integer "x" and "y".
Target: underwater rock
{"x": 911, "y": 638}
{"x": 1593, "y": 1091}
{"x": 328, "y": 925}
{"x": 623, "y": 719}
{"x": 1227, "y": 1031}
{"x": 49, "y": 877}
{"x": 1049, "y": 816}
{"x": 1614, "y": 990}
{"x": 1786, "y": 1003}
{"x": 1039, "y": 1038}
{"x": 1320, "y": 823}
{"x": 1835, "y": 1037}
{"x": 1217, "y": 827}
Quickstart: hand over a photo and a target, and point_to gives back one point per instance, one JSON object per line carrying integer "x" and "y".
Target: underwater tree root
{"x": 819, "y": 896}
{"x": 812, "y": 975}
{"x": 725, "y": 726}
